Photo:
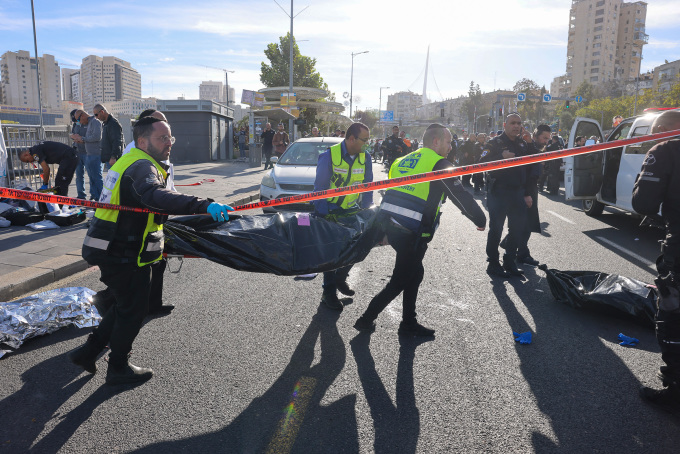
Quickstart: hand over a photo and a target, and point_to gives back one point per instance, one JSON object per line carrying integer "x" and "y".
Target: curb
{"x": 29, "y": 279}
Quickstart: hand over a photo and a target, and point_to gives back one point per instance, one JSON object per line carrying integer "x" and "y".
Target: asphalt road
{"x": 252, "y": 363}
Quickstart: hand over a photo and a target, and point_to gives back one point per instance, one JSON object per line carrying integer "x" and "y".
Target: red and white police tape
{"x": 364, "y": 187}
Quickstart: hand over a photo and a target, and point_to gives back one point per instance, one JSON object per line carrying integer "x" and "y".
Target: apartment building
{"x": 107, "y": 79}
{"x": 18, "y": 80}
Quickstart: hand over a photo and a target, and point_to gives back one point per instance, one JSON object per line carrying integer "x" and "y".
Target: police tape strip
{"x": 455, "y": 171}
{"x": 363, "y": 187}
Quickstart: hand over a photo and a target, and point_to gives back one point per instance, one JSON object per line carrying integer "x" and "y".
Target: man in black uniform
{"x": 466, "y": 156}
{"x": 508, "y": 196}
{"x": 658, "y": 184}
{"x": 410, "y": 216}
{"x": 53, "y": 153}
{"x": 393, "y": 147}
{"x": 551, "y": 169}
{"x": 267, "y": 147}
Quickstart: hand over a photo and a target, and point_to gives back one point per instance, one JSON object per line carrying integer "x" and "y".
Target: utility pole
{"x": 37, "y": 72}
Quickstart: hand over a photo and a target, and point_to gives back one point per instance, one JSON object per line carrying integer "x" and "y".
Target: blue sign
{"x": 387, "y": 115}
{"x": 578, "y": 99}
{"x": 521, "y": 96}
{"x": 547, "y": 97}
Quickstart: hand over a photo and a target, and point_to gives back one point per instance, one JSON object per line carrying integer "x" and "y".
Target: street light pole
{"x": 37, "y": 73}
{"x": 380, "y": 104}
{"x": 351, "y": 81}
{"x": 226, "y": 77}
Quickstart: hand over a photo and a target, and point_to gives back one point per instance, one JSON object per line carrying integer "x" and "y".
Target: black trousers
{"x": 268, "y": 160}
{"x": 667, "y": 318}
{"x": 406, "y": 277}
{"x": 105, "y": 298}
{"x": 502, "y": 203}
{"x": 130, "y": 286}
{"x": 67, "y": 167}
{"x": 532, "y": 224}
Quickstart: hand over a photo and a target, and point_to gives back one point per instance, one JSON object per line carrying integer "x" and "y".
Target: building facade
{"x": 107, "y": 79}
{"x": 605, "y": 41}
{"x": 131, "y": 107}
{"x": 404, "y": 105}
{"x": 18, "y": 80}
{"x": 666, "y": 75}
{"x": 70, "y": 81}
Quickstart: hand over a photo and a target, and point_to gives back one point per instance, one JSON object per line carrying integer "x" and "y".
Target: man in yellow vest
{"x": 344, "y": 164}
{"x": 410, "y": 216}
{"x": 124, "y": 245}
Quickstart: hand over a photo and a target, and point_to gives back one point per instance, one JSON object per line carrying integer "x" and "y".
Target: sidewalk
{"x": 32, "y": 259}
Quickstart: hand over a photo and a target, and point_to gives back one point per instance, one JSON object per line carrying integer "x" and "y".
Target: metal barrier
{"x": 22, "y": 137}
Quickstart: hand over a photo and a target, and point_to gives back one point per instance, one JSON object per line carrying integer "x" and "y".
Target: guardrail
{"x": 22, "y": 137}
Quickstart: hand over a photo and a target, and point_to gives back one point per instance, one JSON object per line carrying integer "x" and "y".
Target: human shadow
{"x": 396, "y": 425}
{"x": 579, "y": 383}
{"x": 289, "y": 416}
{"x": 46, "y": 387}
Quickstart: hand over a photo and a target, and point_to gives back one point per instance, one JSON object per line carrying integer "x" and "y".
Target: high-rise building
{"x": 107, "y": 79}
{"x": 604, "y": 43}
{"x": 215, "y": 91}
{"x": 70, "y": 81}
{"x": 404, "y": 104}
{"x": 18, "y": 80}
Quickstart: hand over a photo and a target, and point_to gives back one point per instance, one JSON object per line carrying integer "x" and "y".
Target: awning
{"x": 274, "y": 114}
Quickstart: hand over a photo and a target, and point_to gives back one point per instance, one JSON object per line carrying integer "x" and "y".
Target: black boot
{"x": 364, "y": 325}
{"x": 127, "y": 373}
{"x": 331, "y": 300}
{"x": 344, "y": 288}
{"x": 667, "y": 399}
{"x": 510, "y": 267}
{"x": 495, "y": 269}
{"x": 414, "y": 329}
{"x": 86, "y": 355}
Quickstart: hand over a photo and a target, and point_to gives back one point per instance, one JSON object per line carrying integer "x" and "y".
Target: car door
{"x": 631, "y": 163}
{"x": 583, "y": 173}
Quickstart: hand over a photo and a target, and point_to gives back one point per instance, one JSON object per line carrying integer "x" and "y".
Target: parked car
{"x": 606, "y": 178}
{"x": 295, "y": 171}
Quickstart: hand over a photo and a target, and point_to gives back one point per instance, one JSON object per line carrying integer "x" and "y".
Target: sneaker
{"x": 667, "y": 399}
{"x": 414, "y": 329}
{"x": 364, "y": 325}
{"x": 127, "y": 374}
{"x": 511, "y": 268}
{"x": 344, "y": 288}
{"x": 495, "y": 269}
{"x": 529, "y": 260}
{"x": 331, "y": 300}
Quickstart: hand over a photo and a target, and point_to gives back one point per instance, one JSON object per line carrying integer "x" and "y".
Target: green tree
{"x": 587, "y": 91}
{"x": 367, "y": 117}
{"x": 528, "y": 109}
{"x": 276, "y": 74}
{"x": 473, "y": 104}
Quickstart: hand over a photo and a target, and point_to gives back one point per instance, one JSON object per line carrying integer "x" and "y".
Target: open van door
{"x": 583, "y": 174}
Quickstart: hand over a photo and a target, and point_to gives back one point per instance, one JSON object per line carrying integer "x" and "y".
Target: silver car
{"x": 295, "y": 172}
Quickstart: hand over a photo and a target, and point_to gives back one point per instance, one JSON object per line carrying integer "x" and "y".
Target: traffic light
{"x": 566, "y": 104}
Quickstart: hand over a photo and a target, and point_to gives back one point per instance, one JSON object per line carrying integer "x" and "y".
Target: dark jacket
{"x": 513, "y": 177}
{"x": 112, "y": 143}
{"x": 466, "y": 153}
{"x": 658, "y": 185}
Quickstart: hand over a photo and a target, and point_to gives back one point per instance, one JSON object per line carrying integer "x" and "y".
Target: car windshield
{"x": 303, "y": 153}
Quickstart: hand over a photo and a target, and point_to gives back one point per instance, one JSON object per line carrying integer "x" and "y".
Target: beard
{"x": 156, "y": 153}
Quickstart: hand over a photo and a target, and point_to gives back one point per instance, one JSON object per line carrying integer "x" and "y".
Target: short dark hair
{"x": 434, "y": 131}
{"x": 147, "y": 113}
{"x": 143, "y": 127}
{"x": 540, "y": 129}
{"x": 73, "y": 113}
{"x": 355, "y": 129}
{"x": 578, "y": 138}
{"x": 100, "y": 107}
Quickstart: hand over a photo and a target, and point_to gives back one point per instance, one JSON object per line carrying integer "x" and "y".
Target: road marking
{"x": 561, "y": 217}
{"x": 626, "y": 251}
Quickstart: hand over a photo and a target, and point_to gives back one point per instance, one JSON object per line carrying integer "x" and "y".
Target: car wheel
{"x": 592, "y": 207}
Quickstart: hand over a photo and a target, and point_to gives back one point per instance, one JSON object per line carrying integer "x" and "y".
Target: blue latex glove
{"x": 219, "y": 212}
{"x": 625, "y": 340}
{"x": 524, "y": 338}
{"x": 43, "y": 187}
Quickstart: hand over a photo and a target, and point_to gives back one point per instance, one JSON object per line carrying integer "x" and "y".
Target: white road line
{"x": 626, "y": 251}
{"x": 561, "y": 217}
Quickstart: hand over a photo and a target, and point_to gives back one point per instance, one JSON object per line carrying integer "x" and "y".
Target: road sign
{"x": 387, "y": 115}
{"x": 547, "y": 97}
{"x": 521, "y": 96}
{"x": 578, "y": 99}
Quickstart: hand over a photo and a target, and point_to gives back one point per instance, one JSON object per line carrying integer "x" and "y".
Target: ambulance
{"x": 606, "y": 178}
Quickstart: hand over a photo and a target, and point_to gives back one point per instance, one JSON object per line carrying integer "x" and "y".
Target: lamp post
{"x": 380, "y": 104}
{"x": 351, "y": 81}
{"x": 226, "y": 77}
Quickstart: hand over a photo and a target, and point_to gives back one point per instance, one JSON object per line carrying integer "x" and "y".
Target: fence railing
{"x": 22, "y": 137}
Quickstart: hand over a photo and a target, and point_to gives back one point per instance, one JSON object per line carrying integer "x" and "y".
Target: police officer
{"x": 344, "y": 164}
{"x": 53, "y": 153}
{"x": 508, "y": 196}
{"x": 658, "y": 184}
{"x": 124, "y": 245}
{"x": 393, "y": 147}
{"x": 551, "y": 169}
{"x": 410, "y": 215}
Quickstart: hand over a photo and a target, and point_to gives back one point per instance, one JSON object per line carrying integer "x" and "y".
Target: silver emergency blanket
{"x": 45, "y": 313}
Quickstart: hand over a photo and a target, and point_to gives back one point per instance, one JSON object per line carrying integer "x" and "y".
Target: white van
{"x": 607, "y": 177}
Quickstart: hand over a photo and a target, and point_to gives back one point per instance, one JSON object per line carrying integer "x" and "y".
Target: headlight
{"x": 268, "y": 181}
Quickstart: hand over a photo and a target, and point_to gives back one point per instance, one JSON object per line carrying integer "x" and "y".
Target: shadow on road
{"x": 396, "y": 426}
{"x": 289, "y": 416}
{"x": 579, "y": 382}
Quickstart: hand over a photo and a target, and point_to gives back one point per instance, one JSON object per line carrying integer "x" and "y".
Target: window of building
{"x": 599, "y": 21}
{"x": 600, "y": 3}
{"x": 594, "y": 70}
{"x": 596, "y": 53}
{"x": 599, "y": 12}
{"x": 597, "y": 45}
{"x": 595, "y": 62}
{"x": 598, "y": 28}
{"x": 593, "y": 79}
{"x": 597, "y": 37}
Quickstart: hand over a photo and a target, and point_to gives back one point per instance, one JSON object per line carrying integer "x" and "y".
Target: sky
{"x": 493, "y": 43}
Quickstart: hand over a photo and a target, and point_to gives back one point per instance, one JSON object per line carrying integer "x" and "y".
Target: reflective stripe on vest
{"x": 402, "y": 211}
{"x": 346, "y": 175}
{"x": 104, "y": 225}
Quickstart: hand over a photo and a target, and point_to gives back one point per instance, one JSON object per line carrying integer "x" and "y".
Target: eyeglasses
{"x": 363, "y": 140}
{"x": 166, "y": 139}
